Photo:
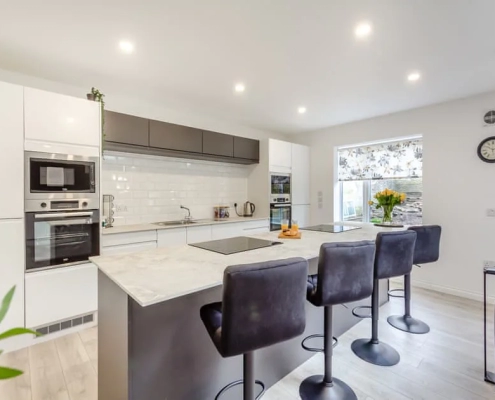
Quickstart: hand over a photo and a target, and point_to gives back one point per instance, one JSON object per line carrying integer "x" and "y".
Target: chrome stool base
{"x": 408, "y": 324}
{"x": 313, "y": 388}
{"x": 375, "y": 353}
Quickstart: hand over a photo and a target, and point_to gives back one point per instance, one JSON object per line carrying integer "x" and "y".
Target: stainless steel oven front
{"x": 279, "y": 212}
{"x": 58, "y": 239}
{"x": 52, "y": 177}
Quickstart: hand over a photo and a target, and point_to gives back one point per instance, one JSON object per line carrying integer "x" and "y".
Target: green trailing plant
{"x": 96, "y": 95}
{"x": 7, "y": 373}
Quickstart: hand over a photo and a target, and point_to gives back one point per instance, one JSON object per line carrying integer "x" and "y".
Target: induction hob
{"x": 234, "y": 245}
{"x": 331, "y": 228}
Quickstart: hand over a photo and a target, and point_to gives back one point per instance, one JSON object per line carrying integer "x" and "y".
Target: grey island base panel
{"x": 163, "y": 351}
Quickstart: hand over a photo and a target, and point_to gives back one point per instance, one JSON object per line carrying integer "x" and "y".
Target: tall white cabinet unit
{"x": 286, "y": 157}
{"x": 12, "y": 202}
{"x": 300, "y": 184}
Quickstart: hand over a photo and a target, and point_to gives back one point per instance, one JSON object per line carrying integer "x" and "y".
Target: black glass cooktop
{"x": 234, "y": 245}
{"x": 331, "y": 228}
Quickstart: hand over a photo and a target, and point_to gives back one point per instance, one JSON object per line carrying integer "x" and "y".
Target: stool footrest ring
{"x": 240, "y": 382}
{"x": 316, "y": 349}
{"x": 392, "y": 293}
{"x": 355, "y": 311}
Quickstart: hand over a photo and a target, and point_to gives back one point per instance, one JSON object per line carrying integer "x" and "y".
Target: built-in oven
{"x": 52, "y": 177}
{"x": 61, "y": 238}
{"x": 278, "y": 213}
{"x": 280, "y": 184}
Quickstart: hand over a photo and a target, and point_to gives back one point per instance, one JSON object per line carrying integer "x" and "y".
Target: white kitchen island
{"x": 152, "y": 343}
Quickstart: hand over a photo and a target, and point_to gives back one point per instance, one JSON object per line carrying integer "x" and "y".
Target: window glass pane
{"x": 352, "y": 201}
{"x": 408, "y": 213}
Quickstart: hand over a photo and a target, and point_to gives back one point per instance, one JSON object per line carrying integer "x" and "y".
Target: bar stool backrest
{"x": 345, "y": 272}
{"x": 263, "y": 304}
{"x": 394, "y": 253}
{"x": 427, "y": 247}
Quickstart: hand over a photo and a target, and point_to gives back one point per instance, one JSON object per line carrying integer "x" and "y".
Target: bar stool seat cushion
{"x": 261, "y": 306}
{"x": 211, "y": 315}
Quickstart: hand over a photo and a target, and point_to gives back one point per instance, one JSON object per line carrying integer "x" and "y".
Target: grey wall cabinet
{"x": 127, "y": 133}
{"x": 245, "y": 148}
{"x": 175, "y": 137}
{"x": 218, "y": 144}
{"x": 126, "y": 129}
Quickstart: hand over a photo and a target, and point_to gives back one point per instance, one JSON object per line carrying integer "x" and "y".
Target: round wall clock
{"x": 486, "y": 150}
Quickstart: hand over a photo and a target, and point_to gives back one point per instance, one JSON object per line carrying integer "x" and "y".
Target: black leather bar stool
{"x": 394, "y": 257}
{"x": 262, "y": 304}
{"x": 345, "y": 274}
{"x": 427, "y": 250}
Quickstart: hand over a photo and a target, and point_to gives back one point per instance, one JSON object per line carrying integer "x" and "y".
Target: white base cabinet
{"x": 301, "y": 215}
{"x": 197, "y": 234}
{"x": 172, "y": 237}
{"x": 12, "y": 271}
{"x": 59, "y": 294}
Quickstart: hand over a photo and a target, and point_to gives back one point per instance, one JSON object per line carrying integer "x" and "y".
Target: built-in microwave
{"x": 52, "y": 177}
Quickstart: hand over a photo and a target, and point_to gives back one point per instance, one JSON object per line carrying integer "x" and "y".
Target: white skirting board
{"x": 451, "y": 291}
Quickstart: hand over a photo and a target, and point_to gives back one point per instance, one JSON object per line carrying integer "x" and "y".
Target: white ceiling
{"x": 289, "y": 53}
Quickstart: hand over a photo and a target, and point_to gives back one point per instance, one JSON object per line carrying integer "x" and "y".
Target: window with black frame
{"x": 365, "y": 170}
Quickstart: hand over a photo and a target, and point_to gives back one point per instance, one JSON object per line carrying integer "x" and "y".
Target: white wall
{"x": 151, "y": 189}
{"x": 133, "y": 105}
{"x": 457, "y": 186}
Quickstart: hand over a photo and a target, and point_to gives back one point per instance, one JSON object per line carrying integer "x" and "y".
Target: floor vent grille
{"x": 69, "y": 323}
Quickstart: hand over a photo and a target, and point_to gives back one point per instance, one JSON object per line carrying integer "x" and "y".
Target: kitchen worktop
{"x": 153, "y": 227}
{"x": 154, "y": 276}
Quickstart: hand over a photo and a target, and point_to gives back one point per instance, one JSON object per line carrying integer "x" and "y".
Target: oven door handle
{"x": 80, "y": 221}
{"x": 280, "y": 205}
{"x": 63, "y": 215}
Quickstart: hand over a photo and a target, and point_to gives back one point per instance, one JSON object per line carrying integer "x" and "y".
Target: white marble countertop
{"x": 199, "y": 222}
{"x": 153, "y": 276}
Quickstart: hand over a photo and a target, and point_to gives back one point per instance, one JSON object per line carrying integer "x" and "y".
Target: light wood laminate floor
{"x": 447, "y": 363}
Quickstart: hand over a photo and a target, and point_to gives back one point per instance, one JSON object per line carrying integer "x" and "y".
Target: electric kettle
{"x": 249, "y": 209}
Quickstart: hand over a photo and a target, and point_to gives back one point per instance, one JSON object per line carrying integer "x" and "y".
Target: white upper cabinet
{"x": 280, "y": 155}
{"x": 300, "y": 174}
{"x": 56, "y": 118}
{"x": 12, "y": 145}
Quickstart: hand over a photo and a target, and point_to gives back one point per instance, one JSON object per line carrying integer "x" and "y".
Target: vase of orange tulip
{"x": 387, "y": 199}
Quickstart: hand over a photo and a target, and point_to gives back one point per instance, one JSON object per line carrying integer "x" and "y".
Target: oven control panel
{"x": 62, "y": 205}
{"x": 280, "y": 198}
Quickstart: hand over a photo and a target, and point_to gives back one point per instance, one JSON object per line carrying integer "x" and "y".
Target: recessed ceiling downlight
{"x": 414, "y": 76}
{"x": 239, "y": 87}
{"x": 363, "y": 30}
{"x": 301, "y": 110}
{"x": 126, "y": 46}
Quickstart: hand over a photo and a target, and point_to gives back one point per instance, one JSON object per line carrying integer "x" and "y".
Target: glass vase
{"x": 387, "y": 214}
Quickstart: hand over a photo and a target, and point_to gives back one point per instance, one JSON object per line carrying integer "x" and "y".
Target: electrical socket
{"x": 488, "y": 264}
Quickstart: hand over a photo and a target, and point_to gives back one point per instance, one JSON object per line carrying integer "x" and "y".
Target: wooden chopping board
{"x": 282, "y": 236}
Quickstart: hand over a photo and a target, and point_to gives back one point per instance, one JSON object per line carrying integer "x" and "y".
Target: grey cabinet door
{"x": 246, "y": 148}
{"x": 175, "y": 137}
{"x": 218, "y": 144}
{"x": 127, "y": 129}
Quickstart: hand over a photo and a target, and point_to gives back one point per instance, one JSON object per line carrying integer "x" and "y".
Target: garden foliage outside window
{"x": 365, "y": 170}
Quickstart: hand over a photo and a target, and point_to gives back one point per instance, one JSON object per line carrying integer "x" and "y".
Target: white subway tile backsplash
{"x": 151, "y": 189}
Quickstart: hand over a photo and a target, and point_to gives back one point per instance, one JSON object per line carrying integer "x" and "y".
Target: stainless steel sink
{"x": 175, "y": 223}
